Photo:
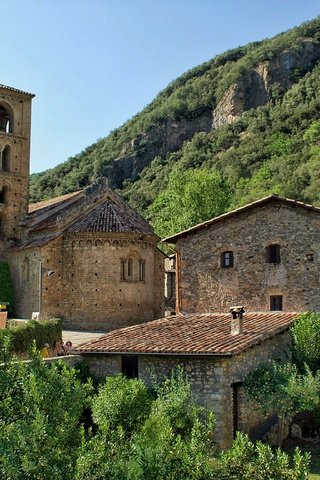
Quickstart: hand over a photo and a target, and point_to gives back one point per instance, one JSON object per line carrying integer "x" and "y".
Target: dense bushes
{"x": 22, "y": 335}
{"x": 137, "y": 434}
{"x": 289, "y": 388}
{"x": 145, "y": 434}
{"x": 41, "y": 409}
{"x": 6, "y": 287}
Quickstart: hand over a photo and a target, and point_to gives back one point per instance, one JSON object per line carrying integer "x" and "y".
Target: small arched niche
{"x": 5, "y": 162}
{"x": 6, "y": 119}
{"x": 3, "y": 195}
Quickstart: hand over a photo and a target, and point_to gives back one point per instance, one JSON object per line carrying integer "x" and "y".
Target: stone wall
{"x": 206, "y": 286}
{"x": 86, "y": 290}
{"x": 211, "y": 379}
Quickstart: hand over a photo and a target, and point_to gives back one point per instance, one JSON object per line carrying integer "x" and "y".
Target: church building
{"x": 87, "y": 256}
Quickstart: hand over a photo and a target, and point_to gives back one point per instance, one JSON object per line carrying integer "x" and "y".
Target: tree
{"x": 306, "y": 341}
{"x": 279, "y": 388}
{"x": 191, "y": 197}
{"x": 6, "y": 286}
{"x": 255, "y": 461}
{"x": 40, "y": 410}
{"x": 171, "y": 437}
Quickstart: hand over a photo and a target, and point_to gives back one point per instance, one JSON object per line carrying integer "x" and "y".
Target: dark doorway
{"x": 130, "y": 366}
{"x": 236, "y": 406}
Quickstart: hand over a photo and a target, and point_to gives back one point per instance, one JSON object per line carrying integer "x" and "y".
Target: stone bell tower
{"x": 15, "y": 129}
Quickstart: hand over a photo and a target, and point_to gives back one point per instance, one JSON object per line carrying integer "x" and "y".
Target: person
{"x": 67, "y": 347}
{"x": 60, "y": 349}
{"x": 44, "y": 352}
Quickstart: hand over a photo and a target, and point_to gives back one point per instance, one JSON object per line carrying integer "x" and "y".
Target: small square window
{"x": 273, "y": 253}
{"x": 276, "y": 303}
{"x": 227, "y": 259}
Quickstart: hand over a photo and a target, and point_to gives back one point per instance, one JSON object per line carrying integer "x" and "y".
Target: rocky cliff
{"x": 205, "y": 99}
{"x": 252, "y": 89}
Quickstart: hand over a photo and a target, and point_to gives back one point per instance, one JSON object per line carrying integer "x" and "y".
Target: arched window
{"x": 6, "y": 120}
{"x": 273, "y": 253}
{"x": 3, "y": 194}
{"x": 5, "y": 159}
{"x": 129, "y": 268}
{"x": 126, "y": 272}
{"x": 227, "y": 259}
{"x": 142, "y": 270}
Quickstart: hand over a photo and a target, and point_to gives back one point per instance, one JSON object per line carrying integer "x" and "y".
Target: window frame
{"x": 273, "y": 253}
{"x": 227, "y": 259}
{"x": 142, "y": 270}
{"x": 276, "y": 301}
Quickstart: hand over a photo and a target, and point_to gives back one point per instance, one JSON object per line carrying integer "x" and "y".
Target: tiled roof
{"x": 249, "y": 206}
{"x": 16, "y": 90}
{"x": 36, "y": 242}
{"x": 109, "y": 217}
{"x": 193, "y": 334}
{"x": 52, "y": 202}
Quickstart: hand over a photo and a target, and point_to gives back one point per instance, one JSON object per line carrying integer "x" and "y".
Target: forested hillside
{"x": 247, "y": 119}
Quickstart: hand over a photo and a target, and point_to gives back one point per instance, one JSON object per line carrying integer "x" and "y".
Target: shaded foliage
{"x": 40, "y": 409}
{"x": 23, "y": 335}
{"x": 6, "y": 286}
{"x": 306, "y": 341}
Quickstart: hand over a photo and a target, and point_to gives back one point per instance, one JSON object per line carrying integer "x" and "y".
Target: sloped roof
{"x": 51, "y": 202}
{"x": 238, "y": 211}
{"x": 109, "y": 217}
{"x": 5, "y": 87}
{"x": 35, "y": 242}
{"x": 193, "y": 334}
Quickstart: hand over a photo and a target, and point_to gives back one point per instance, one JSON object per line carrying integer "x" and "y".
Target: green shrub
{"x": 306, "y": 341}
{"x": 248, "y": 461}
{"x": 22, "y": 335}
{"x": 6, "y": 287}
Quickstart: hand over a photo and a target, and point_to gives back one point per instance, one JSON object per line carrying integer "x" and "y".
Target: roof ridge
{"x": 12, "y": 89}
{"x": 243, "y": 208}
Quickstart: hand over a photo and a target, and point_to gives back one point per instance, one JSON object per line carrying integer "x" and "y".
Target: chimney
{"x": 237, "y": 320}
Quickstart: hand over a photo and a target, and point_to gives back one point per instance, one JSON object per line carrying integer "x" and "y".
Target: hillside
{"x": 251, "y": 115}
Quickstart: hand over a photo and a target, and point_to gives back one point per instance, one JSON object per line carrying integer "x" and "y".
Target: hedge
{"x": 6, "y": 287}
{"x": 22, "y": 335}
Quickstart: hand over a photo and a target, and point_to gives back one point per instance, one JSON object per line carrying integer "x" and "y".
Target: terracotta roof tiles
{"x": 35, "y": 242}
{"x": 109, "y": 217}
{"x": 51, "y": 202}
{"x": 192, "y": 334}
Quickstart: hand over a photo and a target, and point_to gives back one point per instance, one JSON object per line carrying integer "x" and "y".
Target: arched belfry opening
{"x": 6, "y": 120}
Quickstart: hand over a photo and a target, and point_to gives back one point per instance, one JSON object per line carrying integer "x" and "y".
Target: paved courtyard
{"x": 77, "y": 337}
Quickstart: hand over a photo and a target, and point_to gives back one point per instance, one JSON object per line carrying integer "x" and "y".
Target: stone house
{"x": 265, "y": 255}
{"x": 215, "y": 350}
{"x": 85, "y": 256}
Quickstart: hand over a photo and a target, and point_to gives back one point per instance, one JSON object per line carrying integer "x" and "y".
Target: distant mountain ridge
{"x": 251, "y": 113}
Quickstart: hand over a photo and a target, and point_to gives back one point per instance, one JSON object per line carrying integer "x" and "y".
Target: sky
{"x": 93, "y": 64}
